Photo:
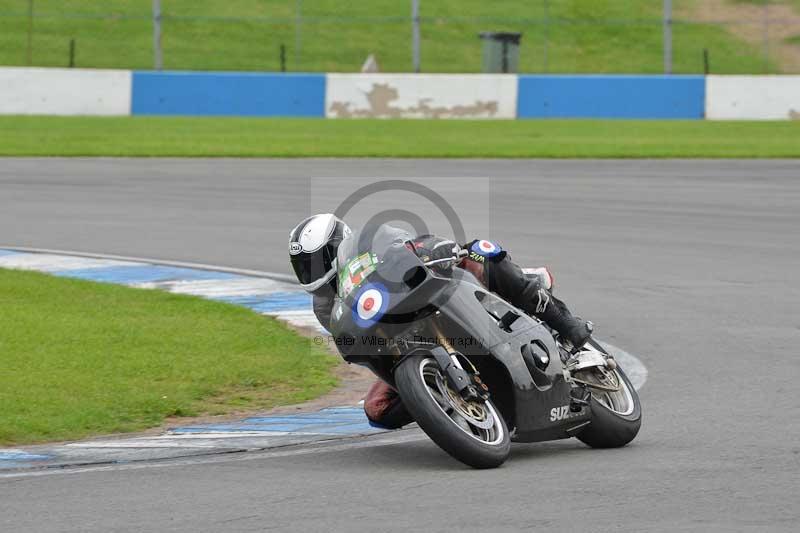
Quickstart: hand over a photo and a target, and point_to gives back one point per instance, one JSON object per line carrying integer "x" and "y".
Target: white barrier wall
{"x": 421, "y": 96}
{"x": 62, "y": 91}
{"x": 753, "y": 97}
{"x": 57, "y": 91}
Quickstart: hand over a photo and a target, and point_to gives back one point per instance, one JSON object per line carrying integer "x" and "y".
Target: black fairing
{"x": 425, "y": 306}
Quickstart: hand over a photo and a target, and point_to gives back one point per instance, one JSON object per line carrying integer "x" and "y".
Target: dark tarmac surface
{"x": 690, "y": 265}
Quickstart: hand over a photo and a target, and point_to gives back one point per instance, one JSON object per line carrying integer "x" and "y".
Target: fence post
{"x": 298, "y": 32}
{"x": 546, "y": 33}
{"x": 765, "y": 36}
{"x": 158, "y": 63}
{"x": 415, "y": 60}
{"x": 667, "y": 24}
{"x": 30, "y": 33}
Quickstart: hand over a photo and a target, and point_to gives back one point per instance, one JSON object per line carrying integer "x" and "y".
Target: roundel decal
{"x": 486, "y": 248}
{"x": 295, "y": 248}
{"x": 370, "y": 304}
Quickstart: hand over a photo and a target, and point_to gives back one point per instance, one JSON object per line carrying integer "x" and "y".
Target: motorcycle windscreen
{"x": 379, "y": 276}
{"x": 362, "y": 253}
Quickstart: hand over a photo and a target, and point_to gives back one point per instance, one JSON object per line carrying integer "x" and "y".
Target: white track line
{"x": 216, "y": 288}
{"x": 180, "y": 264}
{"x": 386, "y": 439}
{"x": 53, "y": 262}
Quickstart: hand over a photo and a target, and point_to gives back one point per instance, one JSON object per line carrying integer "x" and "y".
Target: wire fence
{"x": 619, "y": 36}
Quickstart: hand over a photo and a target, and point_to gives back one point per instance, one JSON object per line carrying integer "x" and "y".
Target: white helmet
{"x": 312, "y": 249}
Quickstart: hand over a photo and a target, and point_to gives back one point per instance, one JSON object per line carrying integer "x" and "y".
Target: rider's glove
{"x": 445, "y": 250}
{"x": 432, "y": 248}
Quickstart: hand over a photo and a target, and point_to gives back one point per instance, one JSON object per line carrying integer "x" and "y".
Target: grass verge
{"x": 337, "y": 35}
{"x": 82, "y": 358}
{"x": 251, "y": 137}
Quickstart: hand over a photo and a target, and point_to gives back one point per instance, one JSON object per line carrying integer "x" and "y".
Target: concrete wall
{"x": 421, "y": 96}
{"x": 55, "y": 91}
{"x": 753, "y": 97}
{"x": 633, "y": 97}
{"x": 240, "y": 94}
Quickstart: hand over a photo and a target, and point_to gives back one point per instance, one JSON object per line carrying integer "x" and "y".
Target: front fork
{"x": 468, "y": 385}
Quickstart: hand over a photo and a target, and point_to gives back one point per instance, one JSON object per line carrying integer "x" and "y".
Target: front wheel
{"x": 473, "y": 432}
{"x": 616, "y": 409}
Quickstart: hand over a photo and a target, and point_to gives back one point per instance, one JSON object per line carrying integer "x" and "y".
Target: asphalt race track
{"x": 690, "y": 265}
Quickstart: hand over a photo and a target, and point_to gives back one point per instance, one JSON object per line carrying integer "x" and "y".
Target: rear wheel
{"x": 616, "y": 409}
{"x": 473, "y": 432}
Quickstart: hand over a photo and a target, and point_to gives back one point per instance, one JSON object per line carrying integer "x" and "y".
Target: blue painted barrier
{"x": 643, "y": 97}
{"x": 43, "y": 91}
{"x": 231, "y": 94}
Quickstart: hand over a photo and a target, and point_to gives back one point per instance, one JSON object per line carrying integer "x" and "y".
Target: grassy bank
{"x": 81, "y": 358}
{"x": 337, "y": 35}
{"x": 235, "y": 137}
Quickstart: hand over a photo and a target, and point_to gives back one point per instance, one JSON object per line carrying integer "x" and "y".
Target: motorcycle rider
{"x": 313, "y": 246}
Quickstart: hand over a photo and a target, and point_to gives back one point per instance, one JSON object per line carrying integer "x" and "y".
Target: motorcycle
{"x": 475, "y": 372}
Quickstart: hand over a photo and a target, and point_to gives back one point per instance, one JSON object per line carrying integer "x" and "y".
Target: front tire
{"x": 616, "y": 416}
{"x": 472, "y": 432}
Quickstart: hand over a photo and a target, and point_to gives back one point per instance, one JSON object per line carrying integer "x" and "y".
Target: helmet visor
{"x": 302, "y": 266}
{"x": 310, "y": 268}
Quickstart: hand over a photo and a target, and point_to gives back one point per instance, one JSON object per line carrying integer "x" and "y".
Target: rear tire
{"x": 613, "y": 426}
{"x": 419, "y": 380}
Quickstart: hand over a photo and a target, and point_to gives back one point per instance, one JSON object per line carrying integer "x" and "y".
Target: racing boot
{"x": 572, "y": 330}
{"x": 533, "y": 294}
